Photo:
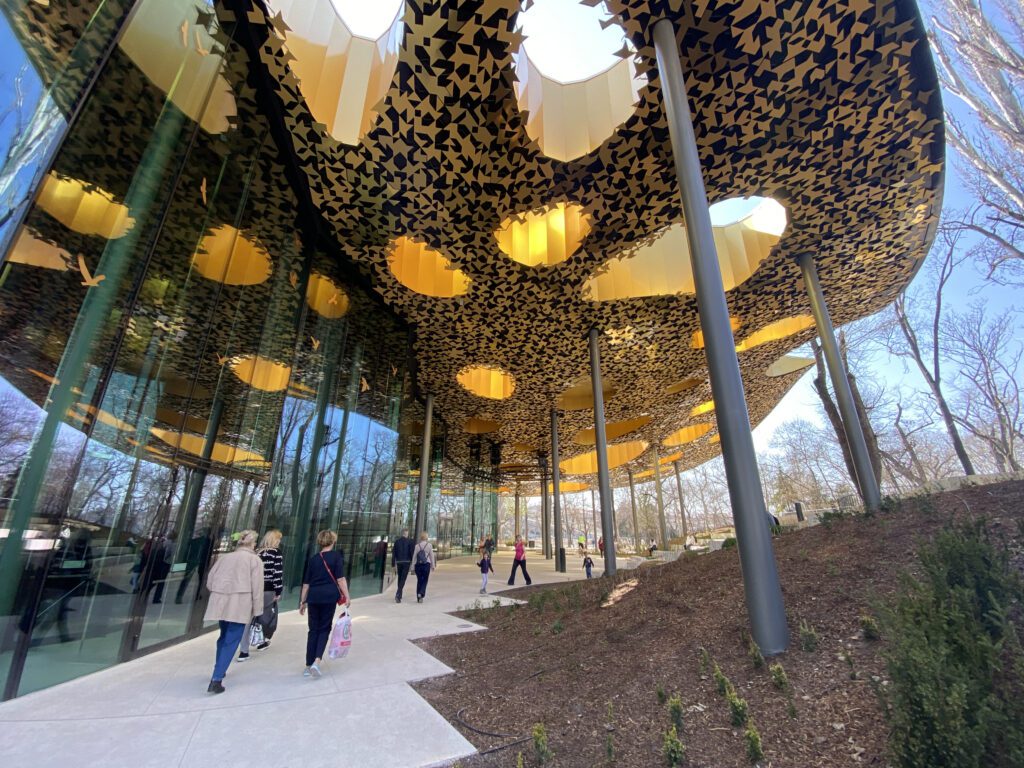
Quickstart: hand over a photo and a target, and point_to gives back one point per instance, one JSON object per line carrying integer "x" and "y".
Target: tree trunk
{"x": 832, "y": 412}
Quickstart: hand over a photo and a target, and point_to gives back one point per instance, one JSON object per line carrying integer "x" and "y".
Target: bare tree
{"x": 981, "y": 64}
{"x": 924, "y": 349}
{"x": 988, "y": 386}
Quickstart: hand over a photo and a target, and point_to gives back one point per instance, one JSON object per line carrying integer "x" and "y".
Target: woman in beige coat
{"x": 236, "y": 595}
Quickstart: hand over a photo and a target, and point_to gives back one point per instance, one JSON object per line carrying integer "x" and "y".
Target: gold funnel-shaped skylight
{"x": 780, "y": 329}
{"x": 580, "y": 396}
{"x": 618, "y": 454}
{"x": 261, "y": 373}
{"x": 84, "y": 207}
{"x": 325, "y": 297}
{"x": 424, "y": 270}
{"x": 788, "y": 364}
{"x": 544, "y": 237}
{"x": 686, "y": 435}
{"x": 227, "y": 256}
{"x": 661, "y": 266}
{"x": 487, "y": 381}
{"x": 343, "y": 77}
{"x": 613, "y": 430}
{"x": 571, "y": 119}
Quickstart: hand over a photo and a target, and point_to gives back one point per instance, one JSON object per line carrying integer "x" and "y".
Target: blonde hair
{"x": 423, "y": 536}
{"x": 247, "y": 539}
{"x": 271, "y": 539}
{"x": 326, "y": 539}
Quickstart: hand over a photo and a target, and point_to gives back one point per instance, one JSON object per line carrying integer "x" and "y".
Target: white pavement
{"x": 362, "y": 713}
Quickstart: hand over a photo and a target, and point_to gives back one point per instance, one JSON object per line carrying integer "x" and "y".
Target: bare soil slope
{"x": 589, "y": 672}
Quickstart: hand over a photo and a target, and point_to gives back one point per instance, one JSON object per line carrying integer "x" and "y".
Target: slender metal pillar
{"x": 604, "y": 484}
{"x": 866, "y": 480}
{"x": 632, "y": 507}
{"x": 516, "y": 513}
{"x": 421, "y": 497}
{"x": 760, "y": 574}
{"x": 682, "y": 503}
{"x": 556, "y": 492}
{"x": 544, "y": 511}
{"x": 662, "y": 528}
{"x": 593, "y": 512}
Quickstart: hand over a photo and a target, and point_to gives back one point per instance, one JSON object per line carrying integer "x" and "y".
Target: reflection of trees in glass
{"x": 18, "y": 419}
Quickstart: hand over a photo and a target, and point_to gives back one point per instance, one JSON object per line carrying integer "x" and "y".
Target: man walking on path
{"x": 401, "y": 559}
{"x": 519, "y": 562}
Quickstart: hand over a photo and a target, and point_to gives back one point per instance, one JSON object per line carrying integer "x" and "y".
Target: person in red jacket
{"x": 519, "y": 561}
{"x": 600, "y": 546}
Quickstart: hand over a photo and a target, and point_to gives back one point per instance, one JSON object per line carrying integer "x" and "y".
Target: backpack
{"x": 421, "y": 556}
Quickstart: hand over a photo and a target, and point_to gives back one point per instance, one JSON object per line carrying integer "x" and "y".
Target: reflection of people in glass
{"x": 236, "y": 595}
{"x": 197, "y": 556}
{"x": 163, "y": 557}
{"x": 380, "y": 553}
{"x": 68, "y": 576}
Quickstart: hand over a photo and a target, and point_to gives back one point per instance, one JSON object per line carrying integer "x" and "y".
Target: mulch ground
{"x": 592, "y": 674}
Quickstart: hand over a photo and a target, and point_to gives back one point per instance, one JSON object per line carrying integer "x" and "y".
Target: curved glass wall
{"x": 180, "y": 359}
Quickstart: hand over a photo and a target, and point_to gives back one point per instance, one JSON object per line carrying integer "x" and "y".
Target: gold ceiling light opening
{"x": 569, "y": 487}
{"x": 700, "y": 410}
{"x": 544, "y": 237}
{"x": 227, "y": 256}
{"x": 618, "y": 454}
{"x": 580, "y": 395}
{"x": 788, "y": 364}
{"x": 684, "y": 385}
{"x": 487, "y": 381}
{"x": 478, "y": 426}
{"x": 697, "y": 341}
{"x": 325, "y": 297}
{"x": 572, "y": 116}
{"x": 183, "y": 59}
{"x": 84, "y": 207}
{"x": 661, "y": 266}
{"x": 260, "y": 373}
{"x": 31, "y": 250}
{"x": 686, "y": 435}
{"x": 613, "y": 430}
{"x": 780, "y": 329}
{"x": 715, "y": 439}
{"x": 425, "y": 270}
{"x": 642, "y": 475}
{"x": 222, "y": 453}
{"x": 344, "y": 77}
{"x": 671, "y": 458}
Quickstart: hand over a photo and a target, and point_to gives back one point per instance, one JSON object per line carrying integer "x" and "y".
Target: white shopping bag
{"x": 341, "y": 636}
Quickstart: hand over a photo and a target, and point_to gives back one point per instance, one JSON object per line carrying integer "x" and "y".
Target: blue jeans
{"x": 227, "y": 644}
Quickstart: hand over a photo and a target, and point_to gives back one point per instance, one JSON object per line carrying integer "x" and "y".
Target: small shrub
{"x": 609, "y": 748}
{"x": 791, "y": 709}
{"x": 675, "y": 712}
{"x": 869, "y": 626}
{"x": 729, "y": 543}
{"x": 721, "y": 681}
{"x": 847, "y": 658}
{"x": 833, "y": 516}
{"x": 752, "y": 737}
{"x": 557, "y": 627}
{"x": 738, "y": 710}
{"x": 610, "y": 712}
{"x": 705, "y": 661}
{"x": 673, "y": 748}
{"x": 755, "y": 653}
{"x": 540, "y": 744}
{"x": 519, "y": 760}
{"x": 779, "y": 678}
{"x": 808, "y": 637}
{"x": 496, "y": 603}
{"x": 660, "y": 693}
{"x": 955, "y": 658}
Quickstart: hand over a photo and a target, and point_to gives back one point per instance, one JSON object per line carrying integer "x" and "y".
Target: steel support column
{"x": 516, "y": 513}
{"x": 421, "y": 497}
{"x": 760, "y": 574}
{"x": 593, "y": 513}
{"x": 865, "y": 479}
{"x": 556, "y": 491}
{"x": 632, "y": 508}
{"x": 604, "y": 485}
{"x": 545, "y": 543}
{"x": 682, "y": 503}
{"x": 662, "y": 528}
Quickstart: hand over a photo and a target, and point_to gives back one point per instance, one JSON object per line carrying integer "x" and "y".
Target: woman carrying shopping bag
{"x": 323, "y": 587}
{"x": 424, "y": 562}
{"x": 264, "y": 625}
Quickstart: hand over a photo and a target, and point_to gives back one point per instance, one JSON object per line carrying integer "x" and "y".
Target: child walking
{"x": 485, "y": 568}
{"x": 588, "y": 565}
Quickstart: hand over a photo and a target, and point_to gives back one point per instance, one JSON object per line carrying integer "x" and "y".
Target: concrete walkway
{"x": 155, "y": 711}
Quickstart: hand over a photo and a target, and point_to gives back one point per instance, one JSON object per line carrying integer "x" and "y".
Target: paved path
{"x": 155, "y": 711}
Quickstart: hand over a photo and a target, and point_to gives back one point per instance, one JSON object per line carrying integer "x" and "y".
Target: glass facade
{"x": 182, "y": 354}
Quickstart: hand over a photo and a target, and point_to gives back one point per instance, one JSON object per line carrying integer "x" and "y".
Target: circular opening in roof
{"x": 369, "y": 20}
{"x": 487, "y": 381}
{"x": 575, "y": 76}
{"x": 565, "y": 39}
